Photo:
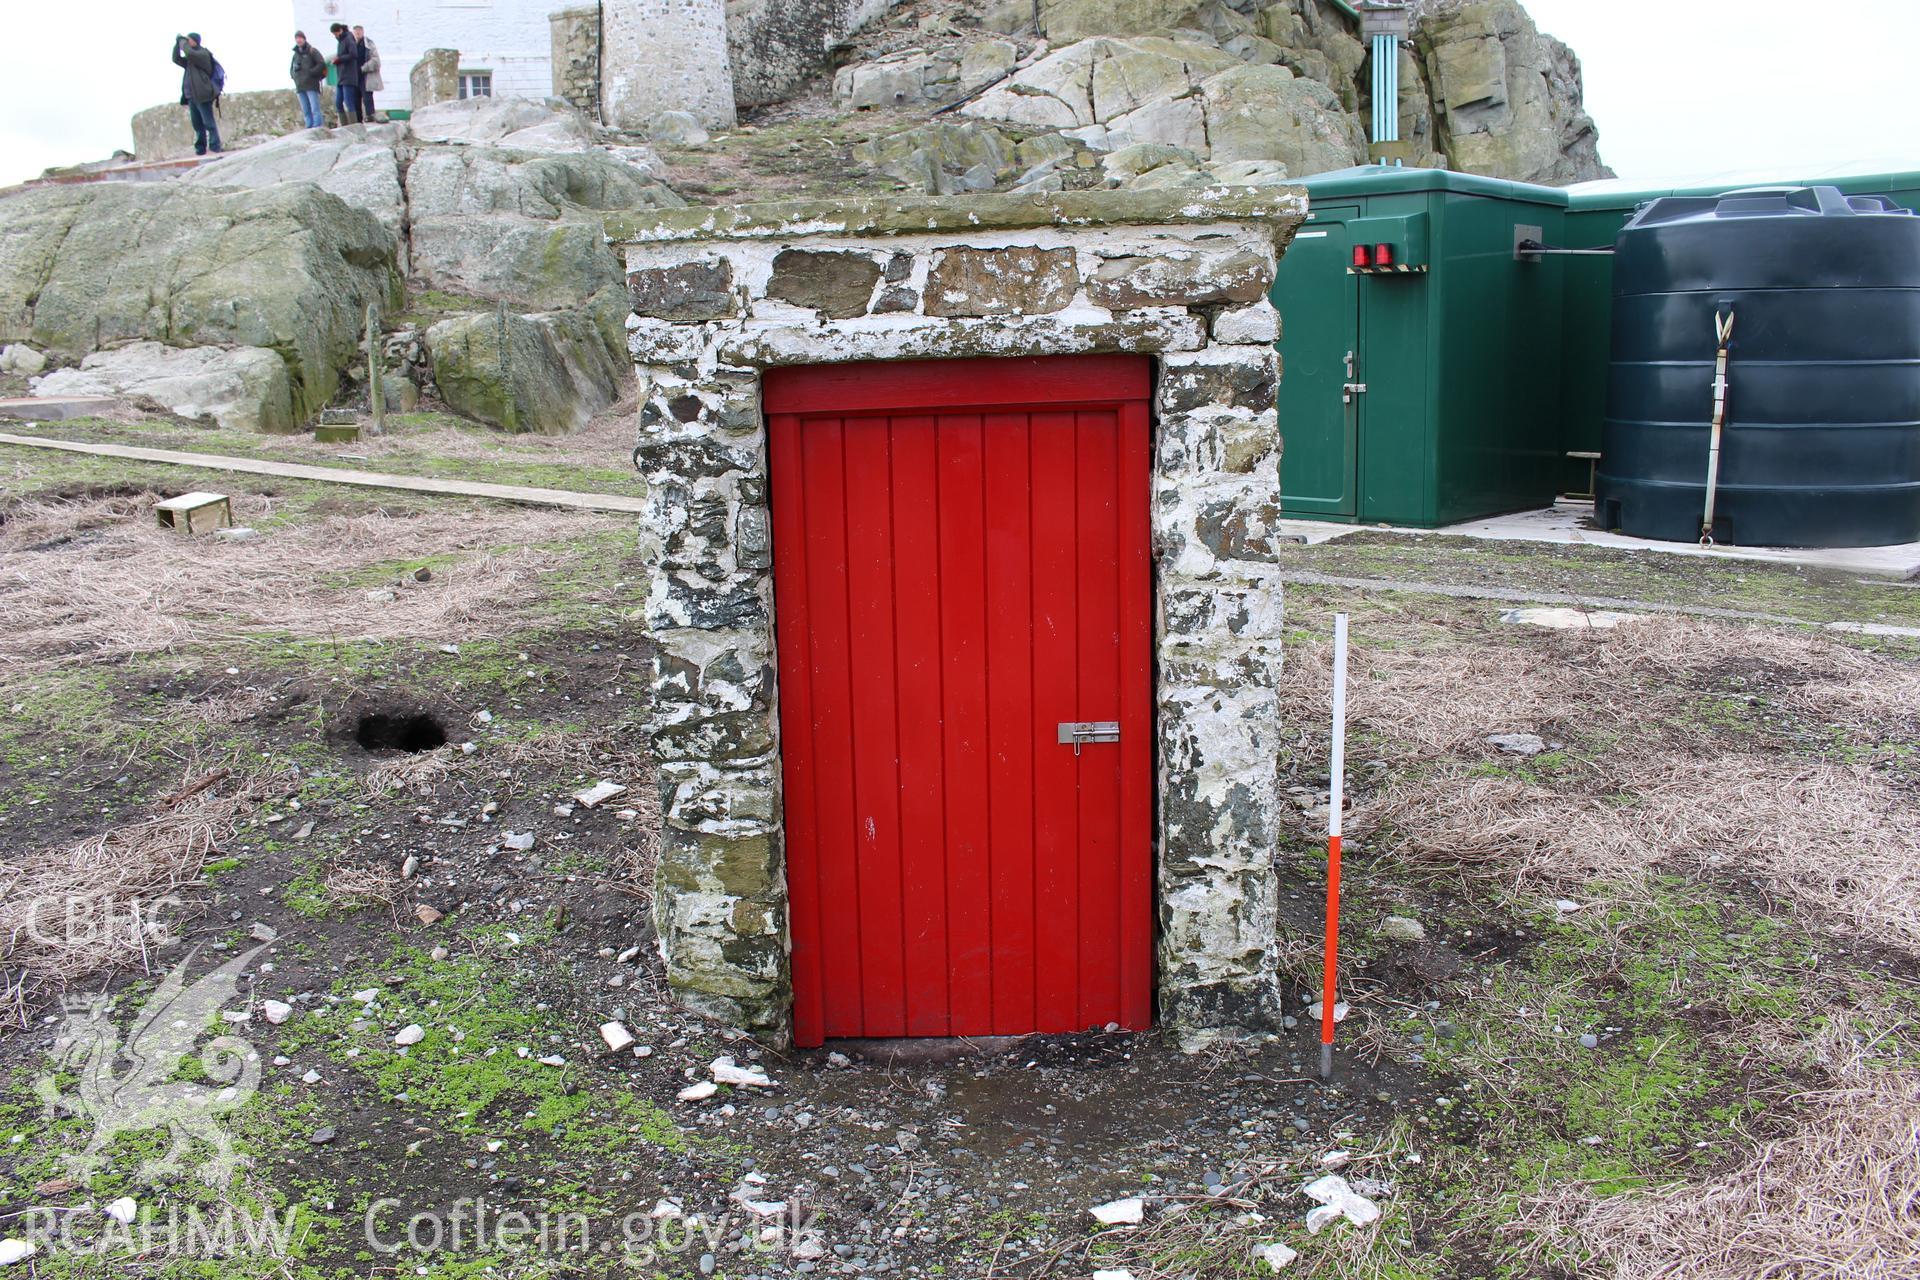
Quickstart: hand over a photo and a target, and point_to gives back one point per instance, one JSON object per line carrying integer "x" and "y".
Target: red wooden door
{"x": 960, "y": 566}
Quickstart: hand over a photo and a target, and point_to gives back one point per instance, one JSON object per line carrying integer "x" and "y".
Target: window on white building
{"x": 476, "y": 84}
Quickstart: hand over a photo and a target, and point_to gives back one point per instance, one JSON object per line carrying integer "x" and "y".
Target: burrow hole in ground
{"x": 399, "y": 730}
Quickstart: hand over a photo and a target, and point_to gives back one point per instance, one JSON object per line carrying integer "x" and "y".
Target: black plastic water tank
{"x": 1821, "y": 437}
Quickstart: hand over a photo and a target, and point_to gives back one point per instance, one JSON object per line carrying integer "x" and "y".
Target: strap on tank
{"x": 1723, "y": 334}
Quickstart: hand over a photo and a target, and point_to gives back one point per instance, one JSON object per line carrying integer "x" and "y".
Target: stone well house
{"x": 967, "y": 617}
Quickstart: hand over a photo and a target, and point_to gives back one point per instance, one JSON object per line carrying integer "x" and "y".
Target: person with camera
{"x": 309, "y": 72}
{"x": 200, "y": 83}
{"x": 346, "y": 72}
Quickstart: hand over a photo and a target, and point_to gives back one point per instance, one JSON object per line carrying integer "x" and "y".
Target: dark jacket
{"x": 196, "y": 83}
{"x": 346, "y": 60}
{"x": 308, "y": 68}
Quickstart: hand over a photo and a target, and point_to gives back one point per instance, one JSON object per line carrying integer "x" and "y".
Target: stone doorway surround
{"x": 721, "y": 294}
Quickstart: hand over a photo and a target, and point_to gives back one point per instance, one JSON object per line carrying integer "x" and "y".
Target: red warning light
{"x": 1362, "y": 256}
{"x": 1383, "y": 255}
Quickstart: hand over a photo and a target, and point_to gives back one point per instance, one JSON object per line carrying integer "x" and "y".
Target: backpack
{"x": 219, "y": 79}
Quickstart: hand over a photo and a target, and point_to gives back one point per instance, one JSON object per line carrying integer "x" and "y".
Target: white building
{"x": 660, "y": 53}
{"x": 505, "y": 45}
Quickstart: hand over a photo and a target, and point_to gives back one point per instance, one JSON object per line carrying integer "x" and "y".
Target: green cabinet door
{"x": 1319, "y": 310}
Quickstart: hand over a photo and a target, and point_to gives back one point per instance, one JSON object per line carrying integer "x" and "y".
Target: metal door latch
{"x": 1082, "y": 731}
{"x": 1351, "y": 389}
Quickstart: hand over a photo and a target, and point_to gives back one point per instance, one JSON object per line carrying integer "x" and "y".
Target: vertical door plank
{"x": 1010, "y": 718}
{"x": 961, "y": 505}
{"x": 917, "y": 582}
{"x": 1097, "y": 668}
{"x": 1056, "y": 698}
{"x": 823, "y": 475}
{"x": 876, "y": 758}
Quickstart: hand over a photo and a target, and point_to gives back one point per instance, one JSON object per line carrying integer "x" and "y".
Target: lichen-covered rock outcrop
{"x": 1112, "y": 93}
{"x": 1507, "y": 98}
{"x": 242, "y": 389}
{"x": 288, "y": 268}
{"x": 499, "y": 201}
{"x": 520, "y": 226}
{"x": 1285, "y": 86}
{"x": 360, "y": 165}
{"x": 519, "y": 123}
{"x": 546, "y": 373}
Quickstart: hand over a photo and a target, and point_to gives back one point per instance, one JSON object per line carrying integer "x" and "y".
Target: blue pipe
{"x": 1386, "y": 88}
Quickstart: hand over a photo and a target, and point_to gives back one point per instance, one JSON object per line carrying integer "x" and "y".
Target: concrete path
{"x": 1568, "y": 522}
{"x": 338, "y": 475}
{"x": 1518, "y": 595}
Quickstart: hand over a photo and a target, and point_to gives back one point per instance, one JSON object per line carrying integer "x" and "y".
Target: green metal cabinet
{"x": 1481, "y": 372}
{"x": 1427, "y": 392}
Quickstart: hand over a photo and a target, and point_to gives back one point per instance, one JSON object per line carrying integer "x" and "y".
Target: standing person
{"x": 199, "y": 90}
{"x": 346, "y": 70}
{"x": 309, "y": 70}
{"x": 370, "y": 80}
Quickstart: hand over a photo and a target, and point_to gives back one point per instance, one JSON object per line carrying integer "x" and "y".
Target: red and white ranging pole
{"x": 1336, "y": 801}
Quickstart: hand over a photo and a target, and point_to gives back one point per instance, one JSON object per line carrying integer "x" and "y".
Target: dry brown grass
{"x": 1433, "y": 689}
{"x": 95, "y": 577}
{"x": 1838, "y": 1198}
{"x": 69, "y": 913}
{"x": 363, "y": 884}
{"x": 1840, "y": 841}
{"x": 1836, "y": 839}
{"x": 1432, "y": 693}
{"x": 414, "y": 772}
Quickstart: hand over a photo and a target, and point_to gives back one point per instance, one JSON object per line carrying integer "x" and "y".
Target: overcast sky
{"x": 1678, "y": 87}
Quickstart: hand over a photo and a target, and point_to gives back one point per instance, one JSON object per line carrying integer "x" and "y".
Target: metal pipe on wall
{"x": 1386, "y": 88}
{"x": 1385, "y": 25}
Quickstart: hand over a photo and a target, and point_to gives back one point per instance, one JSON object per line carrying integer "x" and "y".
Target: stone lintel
{"x": 1283, "y": 207}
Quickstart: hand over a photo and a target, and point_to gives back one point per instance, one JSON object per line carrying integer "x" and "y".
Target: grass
{"x": 1704, "y": 959}
{"x": 1815, "y": 596}
{"x": 479, "y": 1069}
{"x": 1669, "y": 982}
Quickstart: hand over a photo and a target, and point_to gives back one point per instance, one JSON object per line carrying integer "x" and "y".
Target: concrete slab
{"x": 929, "y": 1052}
{"x": 56, "y": 408}
{"x": 1570, "y": 523}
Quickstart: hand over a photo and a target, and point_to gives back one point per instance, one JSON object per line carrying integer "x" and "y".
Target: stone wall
{"x": 778, "y": 45}
{"x": 166, "y": 133}
{"x": 434, "y": 78}
{"x": 720, "y": 294}
{"x": 665, "y": 55}
{"x": 576, "y": 56}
